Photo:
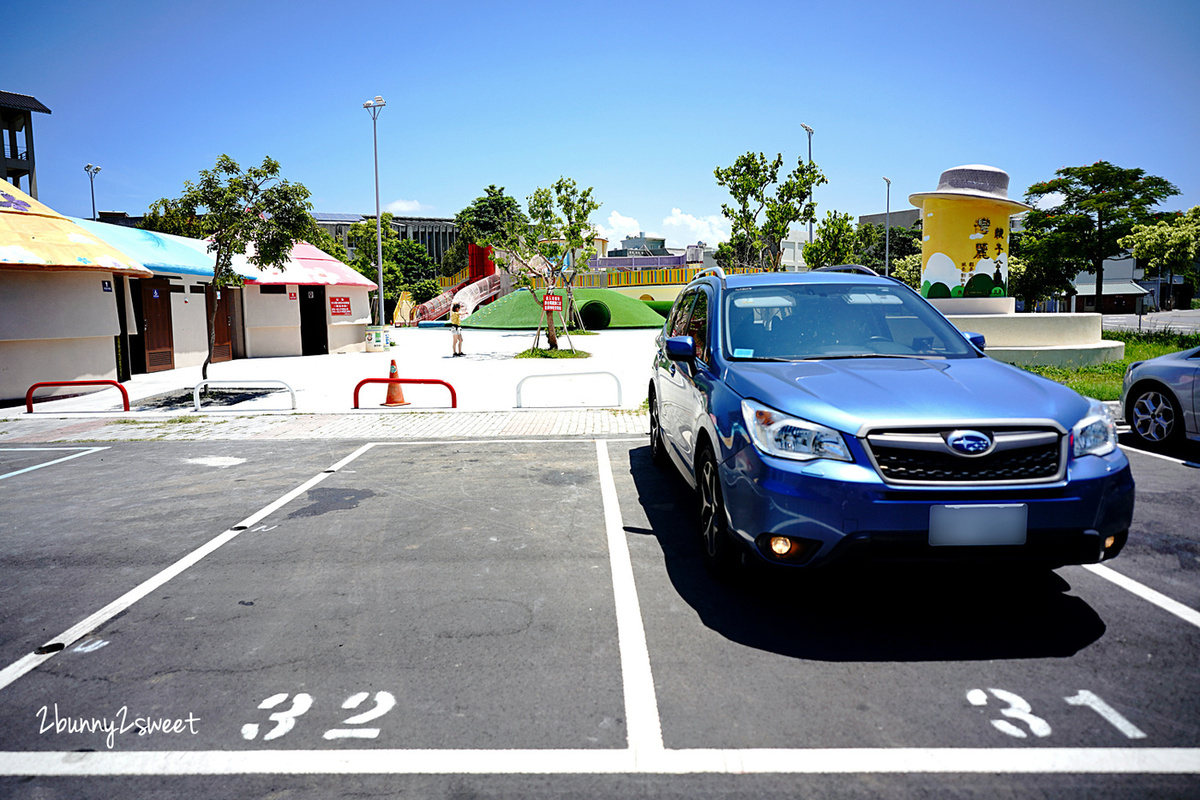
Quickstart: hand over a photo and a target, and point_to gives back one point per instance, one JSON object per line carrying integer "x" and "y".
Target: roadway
{"x": 528, "y": 617}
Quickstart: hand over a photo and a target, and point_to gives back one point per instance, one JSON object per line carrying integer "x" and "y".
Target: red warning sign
{"x": 552, "y": 302}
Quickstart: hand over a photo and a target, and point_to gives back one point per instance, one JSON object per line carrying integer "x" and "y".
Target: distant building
{"x": 438, "y": 234}
{"x": 16, "y": 127}
{"x": 900, "y": 218}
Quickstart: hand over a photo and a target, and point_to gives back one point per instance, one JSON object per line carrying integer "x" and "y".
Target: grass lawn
{"x": 1103, "y": 381}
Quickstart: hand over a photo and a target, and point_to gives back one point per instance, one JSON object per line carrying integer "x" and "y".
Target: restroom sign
{"x": 339, "y": 306}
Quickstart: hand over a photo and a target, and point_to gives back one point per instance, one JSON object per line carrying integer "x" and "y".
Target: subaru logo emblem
{"x": 969, "y": 443}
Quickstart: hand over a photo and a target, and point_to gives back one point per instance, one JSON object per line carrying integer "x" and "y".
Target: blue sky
{"x": 639, "y": 100}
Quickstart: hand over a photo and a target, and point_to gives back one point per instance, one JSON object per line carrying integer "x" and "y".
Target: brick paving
{"x": 372, "y": 426}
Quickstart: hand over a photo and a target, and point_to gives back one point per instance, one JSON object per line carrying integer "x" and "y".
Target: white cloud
{"x": 619, "y": 227}
{"x": 692, "y": 229}
{"x": 405, "y": 207}
{"x": 1049, "y": 201}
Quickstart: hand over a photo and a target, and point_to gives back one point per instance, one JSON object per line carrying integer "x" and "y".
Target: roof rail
{"x": 856, "y": 268}
{"x": 720, "y": 273}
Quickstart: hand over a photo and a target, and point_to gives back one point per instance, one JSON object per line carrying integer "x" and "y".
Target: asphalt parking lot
{"x": 528, "y": 617}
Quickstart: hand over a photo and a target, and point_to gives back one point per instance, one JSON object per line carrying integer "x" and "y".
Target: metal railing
{"x": 36, "y": 386}
{"x": 569, "y": 375}
{"x": 240, "y": 385}
{"x": 432, "y": 381}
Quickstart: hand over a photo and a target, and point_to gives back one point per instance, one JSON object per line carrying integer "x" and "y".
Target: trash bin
{"x": 376, "y": 339}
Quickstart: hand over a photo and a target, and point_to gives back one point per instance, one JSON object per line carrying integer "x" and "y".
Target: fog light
{"x": 781, "y": 545}
{"x": 1109, "y": 542}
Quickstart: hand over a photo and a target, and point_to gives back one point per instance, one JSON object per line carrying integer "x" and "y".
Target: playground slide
{"x": 473, "y": 295}
{"x": 437, "y": 307}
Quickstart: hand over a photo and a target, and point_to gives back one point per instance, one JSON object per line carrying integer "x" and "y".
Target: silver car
{"x": 1161, "y": 398}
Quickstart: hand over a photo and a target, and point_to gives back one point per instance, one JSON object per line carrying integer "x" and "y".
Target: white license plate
{"x": 978, "y": 525}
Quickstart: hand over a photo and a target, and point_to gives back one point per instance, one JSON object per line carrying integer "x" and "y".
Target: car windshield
{"x": 823, "y": 321}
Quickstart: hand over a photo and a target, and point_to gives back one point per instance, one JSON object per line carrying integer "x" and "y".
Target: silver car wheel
{"x": 1154, "y": 418}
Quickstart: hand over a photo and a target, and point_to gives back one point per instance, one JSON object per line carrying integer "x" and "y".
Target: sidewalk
{"x": 485, "y": 381}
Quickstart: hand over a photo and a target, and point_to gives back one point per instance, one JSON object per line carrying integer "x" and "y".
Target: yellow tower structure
{"x": 965, "y": 229}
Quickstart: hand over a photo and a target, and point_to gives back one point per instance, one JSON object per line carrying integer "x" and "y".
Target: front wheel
{"x": 1155, "y": 416}
{"x": 716, "y": 546}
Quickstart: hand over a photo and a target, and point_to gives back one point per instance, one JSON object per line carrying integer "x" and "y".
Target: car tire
{"x": 716, "y": 546}
{"x": 658, "y": 451}
{"x": 1154, "y": 415}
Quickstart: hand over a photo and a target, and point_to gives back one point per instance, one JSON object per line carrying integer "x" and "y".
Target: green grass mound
{"x": 601, "y": 308}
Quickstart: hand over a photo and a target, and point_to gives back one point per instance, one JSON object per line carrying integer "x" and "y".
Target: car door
{"x": 670, "y": 386}
{"x": 695, "y": 381}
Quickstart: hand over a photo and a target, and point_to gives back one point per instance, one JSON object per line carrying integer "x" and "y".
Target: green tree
{"x": 750, "y": 181}
{"x": 489, "y": 216}
{"x": 836, "y": 242}
{"x": 234, "y": 210}
{"x": 907, "y": 269}
{"x": 1094, "y": 208}
{"x": 871, "y": 240}
{"x": 1171, "y": 245}
{"x": 425, "y": 290}
{"x": 321, "y": 240}
{"x": 556, "y": 232}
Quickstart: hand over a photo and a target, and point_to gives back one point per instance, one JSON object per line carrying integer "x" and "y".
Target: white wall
{"x": 55, "y": 326}
{"x": 189, "y": 322}
{"x": 272, "y": 322}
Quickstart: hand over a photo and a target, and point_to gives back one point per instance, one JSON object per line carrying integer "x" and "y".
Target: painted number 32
{"x": 1016, "y": 710}
{"x": 285, "y": 717}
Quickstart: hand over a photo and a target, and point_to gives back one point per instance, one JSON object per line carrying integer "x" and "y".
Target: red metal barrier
{"x": 36, "y": 386}
{"x": 365, "y": 381}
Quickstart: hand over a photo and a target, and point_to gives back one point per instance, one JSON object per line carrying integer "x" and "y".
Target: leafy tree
{"x": 327, "y": 244}
{"x": 234, "y": 210}
{"x": 1097, "y": 206}
{"x": 1171, "y": 244}
{"x": 556, "y": 231}
{"x": 413, "y": 262}
{"x": 457, "y": 256}
{"x": 836, "y": 242}
{"x": 907, "y": 269}
{"x": 425, "y": 290}
{"x": 871, "y": 240}
{"x": 489, "y": 216}
{"x": 749, "y": 182}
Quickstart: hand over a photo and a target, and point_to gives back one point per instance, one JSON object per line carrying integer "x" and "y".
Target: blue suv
{"x": 836, "y": 416}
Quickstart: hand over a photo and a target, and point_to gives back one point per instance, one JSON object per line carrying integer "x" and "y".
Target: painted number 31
{"x": 1018, "y": 710}
{"x": 285, "y": 718}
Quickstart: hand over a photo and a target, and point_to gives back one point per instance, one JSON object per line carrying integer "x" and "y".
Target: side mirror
{"x": 976, "y": 339}
{"x": 680, "y": 348}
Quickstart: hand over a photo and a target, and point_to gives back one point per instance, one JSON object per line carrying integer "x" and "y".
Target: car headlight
{"x": 1095, "y": 434}
{"x": 778, "y": 434}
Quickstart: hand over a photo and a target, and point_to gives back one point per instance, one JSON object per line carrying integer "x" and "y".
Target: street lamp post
{"x": 887, "y": 229}
{"x": 809, "y": 131}
{"x": 91, "y": 171}
{"x": 374, "y": 107}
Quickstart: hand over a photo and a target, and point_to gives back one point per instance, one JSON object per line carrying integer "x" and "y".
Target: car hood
{"x": 849, "y": 393}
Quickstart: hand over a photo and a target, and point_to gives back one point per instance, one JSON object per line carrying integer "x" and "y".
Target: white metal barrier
{"x": 569, "y": 375}
{"x": 240, "y": 385}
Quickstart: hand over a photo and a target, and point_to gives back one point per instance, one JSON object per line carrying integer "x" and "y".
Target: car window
{"x": 698, "y": 325}
{"x": 679, "y": 314}
{"x": 837, "y": 321}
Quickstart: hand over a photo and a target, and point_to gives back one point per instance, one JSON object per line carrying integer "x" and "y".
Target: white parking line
{"x": 1159, "y": 599}
{"x": 846, "y": 761}
{"x": 68, "y": 637}
{"x": 642, "y": 724}
{"x": 87, "y": 451}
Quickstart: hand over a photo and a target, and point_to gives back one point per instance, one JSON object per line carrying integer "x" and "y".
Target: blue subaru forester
{"x": 832, "y": 416}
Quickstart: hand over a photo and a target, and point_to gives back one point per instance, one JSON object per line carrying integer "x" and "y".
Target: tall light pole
{"x": 809, "y": 131}
{"x": 374, "y": 107}
{"x": 887, "y": 230}
{"x": 91, "y": 171}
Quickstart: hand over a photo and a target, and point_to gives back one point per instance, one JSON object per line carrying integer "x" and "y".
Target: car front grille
{"x": 923, "y": 457}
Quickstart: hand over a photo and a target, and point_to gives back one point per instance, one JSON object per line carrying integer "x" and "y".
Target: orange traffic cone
{"x": 395, "y": 395}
